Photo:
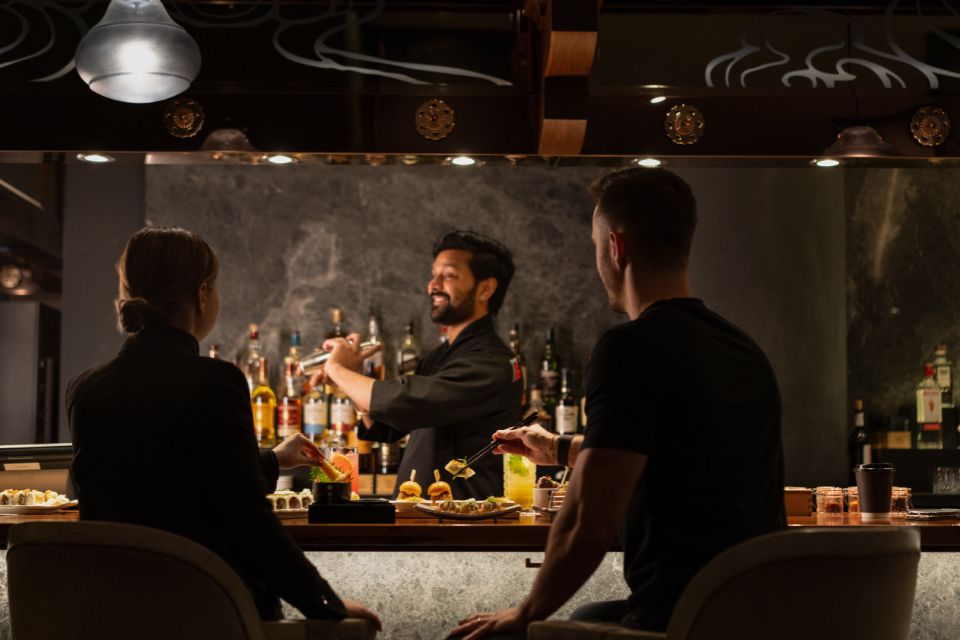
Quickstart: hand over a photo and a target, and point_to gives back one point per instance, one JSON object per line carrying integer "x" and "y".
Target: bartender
{"x": 463, "y": 390}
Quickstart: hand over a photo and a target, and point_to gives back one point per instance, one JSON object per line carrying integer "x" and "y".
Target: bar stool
{"x": 835, "y": 583}
{"x": 86, "y": 580}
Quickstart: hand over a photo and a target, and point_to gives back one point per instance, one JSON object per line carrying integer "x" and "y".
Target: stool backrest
{"x": 78, "y": 580}
{"x": 853, "y": 582}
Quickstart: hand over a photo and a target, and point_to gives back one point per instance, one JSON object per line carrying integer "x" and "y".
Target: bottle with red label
{"x": 929, "y": 411}
{"x": 290, "y": 402}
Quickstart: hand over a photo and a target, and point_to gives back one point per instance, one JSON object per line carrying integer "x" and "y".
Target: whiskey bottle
{"x": 518, "y": 355}
{"x": 252, "y": 357}
{"x": 550, "y": 372}
{"x": 263, "y": 403}
{"x": 861, "y": 451}
{"x": 943, "y": 370}
{"x": 408, "y": 356}
{"x": 289, "y": 414}
{"x": 373, "y": 366}
{"x": 568, "y": 409}
{"x": 343, "y": 417}
{"x": 315, "y": 414}
{"x": 336, "y": 327}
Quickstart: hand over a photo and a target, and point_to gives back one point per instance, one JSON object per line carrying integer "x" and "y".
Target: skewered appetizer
{"x": 410, "y": 490}
{"x": 439, "y": 490}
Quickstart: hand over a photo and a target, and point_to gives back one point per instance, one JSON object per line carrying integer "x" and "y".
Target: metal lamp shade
{"x": 860, "y": 142}
{"x": 137, "y": 53}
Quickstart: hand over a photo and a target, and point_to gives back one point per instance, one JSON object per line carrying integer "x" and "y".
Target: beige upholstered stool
{"x": 96, "y": 580}
{"x": 829, "y": 584}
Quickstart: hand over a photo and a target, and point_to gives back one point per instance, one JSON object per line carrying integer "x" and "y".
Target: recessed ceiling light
{"x": 95, "y": 157}
{"x": 463, "y": 161}
{"x": 826, "y": 162}
{"x": 279, "y": 158}
{"x": 657, "y": 99}
{"x": 648, "y": 163}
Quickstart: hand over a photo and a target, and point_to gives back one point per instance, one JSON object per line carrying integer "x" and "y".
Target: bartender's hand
{"x": 534, "y": 442}
{"x": 344, "y": 352}
{"x": 359, "y": 610}
{"x": 297, "y": 451}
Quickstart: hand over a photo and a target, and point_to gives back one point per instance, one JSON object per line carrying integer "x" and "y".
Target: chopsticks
{"x": 526, "y": 422}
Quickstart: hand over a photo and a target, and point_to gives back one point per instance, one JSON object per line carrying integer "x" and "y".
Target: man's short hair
{"x": 490, "y": 260}
{"x": 654, "y": 208}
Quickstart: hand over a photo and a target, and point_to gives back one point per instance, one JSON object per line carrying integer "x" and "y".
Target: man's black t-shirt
{"x": 698, "y": 397}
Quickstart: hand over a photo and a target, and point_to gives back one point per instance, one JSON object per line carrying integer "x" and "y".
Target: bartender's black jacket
{"x": 164, "y": 438}
{"x": 459, "y": 395}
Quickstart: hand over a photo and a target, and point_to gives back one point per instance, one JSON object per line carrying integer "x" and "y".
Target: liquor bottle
{"x": 295, "y": 346}
{"x": 943, "y": 370}
{"x": 860, "y": 450}
{"x": 289, "y": 404}
{"x": 536, "y": 404}
{"x": 315, "y": 414}
{"x": 550, "y": 372}
{"x": 518, "y": 354}
{"x": 252, "y": 357}
{"x": 343, "y": 418}
{"x": 263, "y": 403}
{"x": 568, "y": 409}
{"x": 444, "y": 334}
{"x": 214, "y": 351}
{"x": 373, "y": 366}
{"x": 336, "y": 328}
{"x": 929, "y": 399}
{"x": 408, "y": 356}
{"x": 295, "y": 353}
{"x": 929, "y": 411}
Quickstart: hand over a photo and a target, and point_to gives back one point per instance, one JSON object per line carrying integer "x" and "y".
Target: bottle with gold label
{"x": 263, "y": 403}
{"x": 289, "y": 405}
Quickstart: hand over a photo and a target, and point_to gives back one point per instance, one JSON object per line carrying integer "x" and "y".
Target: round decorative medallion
{"x": 183, "y": 118}
{"x": 435, "y": 120}
{"x": 930, "y": 126}
{"x": 684, "y": 124}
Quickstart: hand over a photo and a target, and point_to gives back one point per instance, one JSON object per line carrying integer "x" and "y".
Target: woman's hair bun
{"x": 132, "y": 314}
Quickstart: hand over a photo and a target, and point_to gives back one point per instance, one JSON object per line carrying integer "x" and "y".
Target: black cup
{"x": 874, "y": 484}
{"x": 331, "y": 492}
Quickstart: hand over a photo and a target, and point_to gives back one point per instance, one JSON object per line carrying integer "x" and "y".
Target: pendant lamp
{"x": 137, "y": 53}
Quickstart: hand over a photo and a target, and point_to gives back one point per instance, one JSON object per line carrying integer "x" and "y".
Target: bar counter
{"x": 422, "y": 576}
{"x": 523, "y": 534}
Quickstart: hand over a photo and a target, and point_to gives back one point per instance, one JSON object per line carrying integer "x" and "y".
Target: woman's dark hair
{"x": 490, "y": 260}
{"x": 159, "y": 269}
{"x": 655, "y": 208}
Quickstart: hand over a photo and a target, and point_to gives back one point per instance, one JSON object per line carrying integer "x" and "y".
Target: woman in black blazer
{"x": 164, "y": 438}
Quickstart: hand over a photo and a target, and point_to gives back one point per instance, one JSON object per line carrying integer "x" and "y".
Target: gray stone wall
{"x": 296, "y": 241}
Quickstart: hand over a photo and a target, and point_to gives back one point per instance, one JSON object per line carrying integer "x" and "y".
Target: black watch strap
{"x": 563, "y": 449}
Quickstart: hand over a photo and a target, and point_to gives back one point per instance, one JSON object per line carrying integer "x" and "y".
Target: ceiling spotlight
{"x": 463, "y": 161}
{"x": 826, "y": 162}
{"x": 137, "y": 53}
{"x": 409, "y": 160}
{"x": 98, "y": 158}
{"x": 648, "y": 163}
{"x": 657, "y": 99}
{"x": 280, "y": 158}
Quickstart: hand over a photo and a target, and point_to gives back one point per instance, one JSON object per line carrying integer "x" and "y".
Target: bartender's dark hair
{"x": 159, "y": 269}
{"x": 491, "y": 259}
{"x": 655, "y": 208}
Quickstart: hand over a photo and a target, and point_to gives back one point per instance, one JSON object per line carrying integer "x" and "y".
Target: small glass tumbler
{"x": 829, "y": 501}
{"x": 899, "y": 501}
{"x": 853, "y": 500}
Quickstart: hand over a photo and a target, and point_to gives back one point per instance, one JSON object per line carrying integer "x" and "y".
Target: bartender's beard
{"x": 454, "y": 311}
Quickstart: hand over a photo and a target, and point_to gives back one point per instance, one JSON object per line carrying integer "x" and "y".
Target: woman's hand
{"x": 297, "y": 451}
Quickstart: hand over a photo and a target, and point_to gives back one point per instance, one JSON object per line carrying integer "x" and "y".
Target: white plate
{"x": 24, "y": 509}
{"x": 449, "y": 515}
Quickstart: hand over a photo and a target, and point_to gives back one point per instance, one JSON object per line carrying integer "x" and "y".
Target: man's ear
{"x": 486, "y": 289}
{"x": 203, "y": 296}
{"x": 618, "y": 249}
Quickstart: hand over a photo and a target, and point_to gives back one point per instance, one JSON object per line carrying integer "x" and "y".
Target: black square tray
{"x": 375, "y": 511}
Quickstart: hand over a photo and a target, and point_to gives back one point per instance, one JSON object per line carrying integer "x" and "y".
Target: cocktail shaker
{"x": 313, "y": 362}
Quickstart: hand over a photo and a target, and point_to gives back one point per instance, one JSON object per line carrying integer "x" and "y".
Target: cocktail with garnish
{"x": 519, "y": 475}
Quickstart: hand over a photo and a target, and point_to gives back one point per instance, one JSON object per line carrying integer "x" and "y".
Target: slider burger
{"x": 410, "y": 490}
{"x": 439, "y": 490}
